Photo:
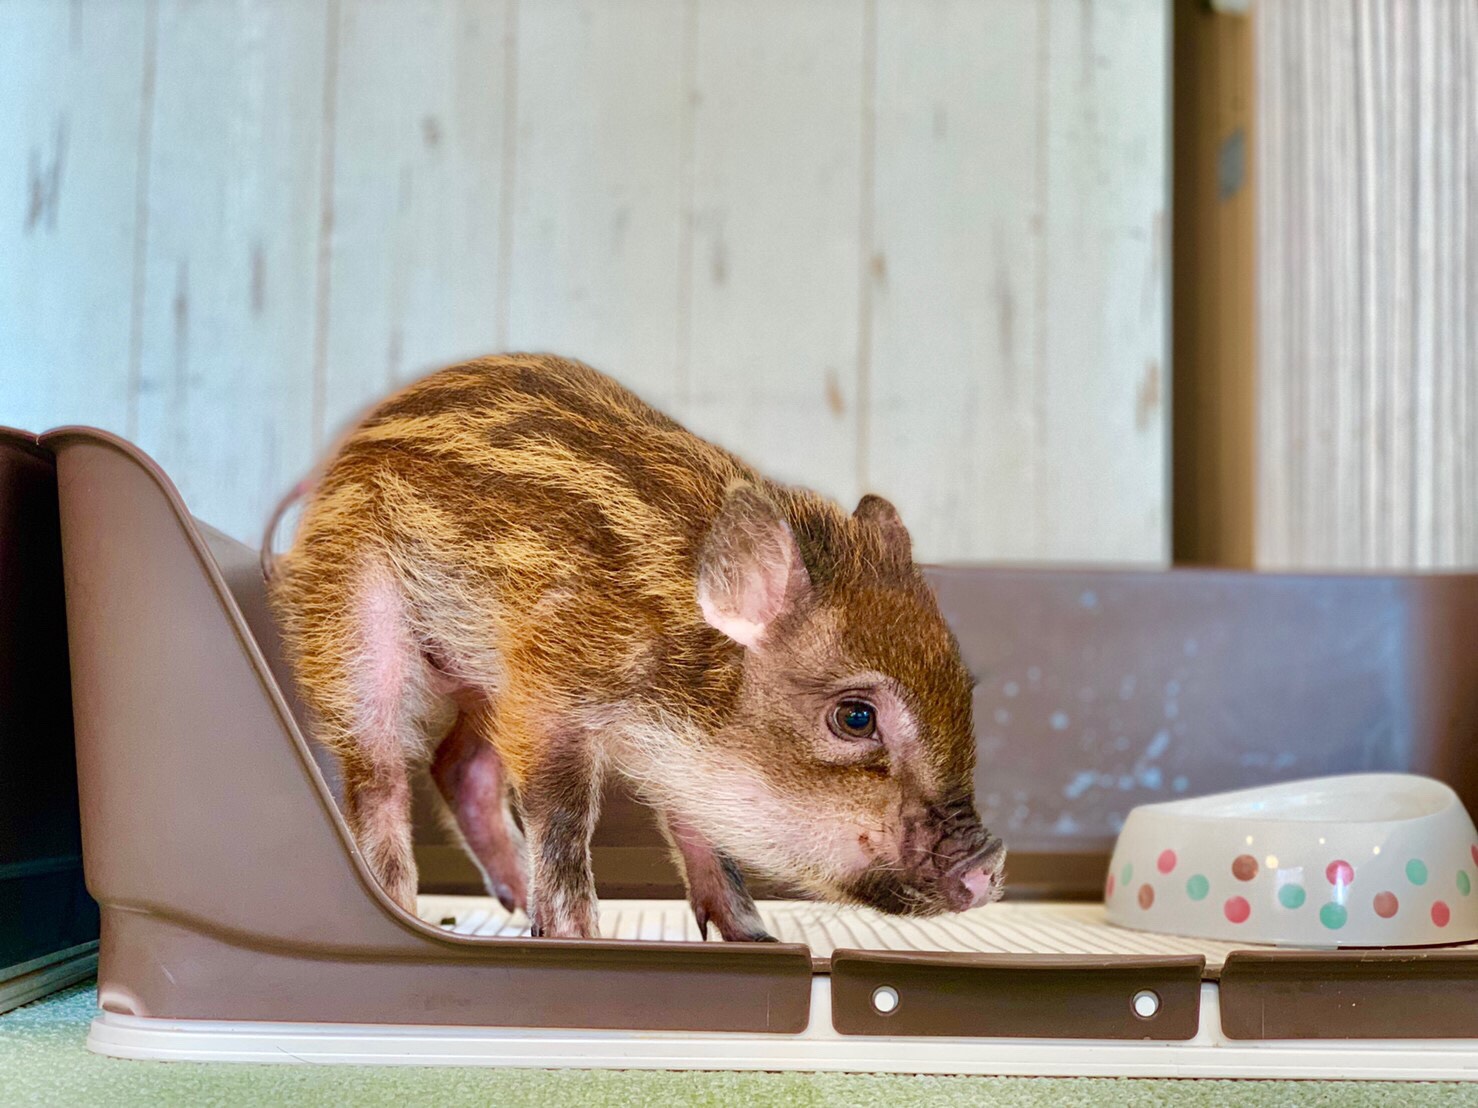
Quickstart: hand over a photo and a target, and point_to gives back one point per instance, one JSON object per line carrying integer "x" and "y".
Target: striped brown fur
{"x": 500, "y": 570}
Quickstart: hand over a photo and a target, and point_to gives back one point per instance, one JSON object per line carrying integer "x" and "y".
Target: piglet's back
{"x": 531, "y": 512}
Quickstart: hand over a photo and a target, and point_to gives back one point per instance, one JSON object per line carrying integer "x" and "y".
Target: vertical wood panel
{"x": 72, "y": 82}
{"x": 1019, "y": 327}
{"x": 1103, "y": 282}
{"x": 1214, "y": 289}
{"x": 954, "y": 424}
{"x": 1465, "y": 284}
{"x": 597, "y": 216}
{"x": 226, "y": 376}
{"x": 1369, "y": 272}
{"x": 777, "y": 256}
{"x": 415, "y": 276}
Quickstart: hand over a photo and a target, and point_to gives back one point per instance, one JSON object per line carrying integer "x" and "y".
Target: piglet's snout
{"x": 977, "y": 879}
{"x": 968, "y": 860}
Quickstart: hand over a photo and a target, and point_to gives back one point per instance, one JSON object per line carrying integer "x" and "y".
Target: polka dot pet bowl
{"x": 1379, "y": 859}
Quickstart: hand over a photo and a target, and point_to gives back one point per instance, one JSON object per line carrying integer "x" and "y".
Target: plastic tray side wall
{"x": 229, "y": 884}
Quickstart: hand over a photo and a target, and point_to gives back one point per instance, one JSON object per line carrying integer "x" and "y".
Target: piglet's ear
{"x": 881, "y": 514}
{"x": 750, "y": 571}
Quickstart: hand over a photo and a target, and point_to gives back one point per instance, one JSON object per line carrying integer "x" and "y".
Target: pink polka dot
{"x": 1386, "y": 905}
{"x": 1166, "y": 861}
{"x": 1441, "y": 914}
{"x": 1108, "y": 887}
{"x": 1340, "y": 873}
{"x": 1237, "y": 909}
{"x": 1473, "y": 850}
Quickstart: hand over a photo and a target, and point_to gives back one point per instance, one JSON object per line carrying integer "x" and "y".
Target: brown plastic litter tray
{"x": 48, "y": 924}
{"x": 238, "y": 921}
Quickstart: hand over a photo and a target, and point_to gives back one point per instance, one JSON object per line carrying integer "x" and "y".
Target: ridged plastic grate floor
{"x": 1007, "y": 928}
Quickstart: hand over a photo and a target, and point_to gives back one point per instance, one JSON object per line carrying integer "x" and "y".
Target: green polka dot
{"x": 1464, "y": 886}
{"x": 1416, "y": 871}
{"x": 1197, "y": 887}
{"x": 1126, "y": 874}
{"x": 1291, "y": 896}
{"x": 1333, "y": 916}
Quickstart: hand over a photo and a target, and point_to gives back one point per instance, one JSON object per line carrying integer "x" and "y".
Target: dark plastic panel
{"x": 1101, "y": 690}
{"x": 1015, "y": 996}
{"x": 44, "y": 906}
{"x": 1362, "y": 994}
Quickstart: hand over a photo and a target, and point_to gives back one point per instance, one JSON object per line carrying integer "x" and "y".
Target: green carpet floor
{"x": 43, "y": 1060}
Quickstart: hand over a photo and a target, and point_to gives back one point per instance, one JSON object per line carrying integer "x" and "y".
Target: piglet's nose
{"x": 979, "y": 876}
{"x": 978, "y": 886}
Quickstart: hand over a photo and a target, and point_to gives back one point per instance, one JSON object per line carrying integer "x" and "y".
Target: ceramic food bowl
{"x": 1374, "y": 859}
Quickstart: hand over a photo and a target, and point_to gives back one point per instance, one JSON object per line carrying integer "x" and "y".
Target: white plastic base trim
{"x": 40, "y": 977}
{"x": 1209, "y": 1054}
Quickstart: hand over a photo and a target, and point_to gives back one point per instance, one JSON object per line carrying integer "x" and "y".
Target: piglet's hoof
{"x": 511, "y": 899}
{"x": 752, "y": 937}
{"x": 569, "y": 929}
{"x": 728, "y": 929}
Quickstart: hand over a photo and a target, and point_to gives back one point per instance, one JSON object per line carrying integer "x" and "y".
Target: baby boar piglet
{"x": 516, "y": 569}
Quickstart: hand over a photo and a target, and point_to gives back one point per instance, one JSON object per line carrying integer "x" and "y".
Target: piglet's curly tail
{"x": 296, "y": 493}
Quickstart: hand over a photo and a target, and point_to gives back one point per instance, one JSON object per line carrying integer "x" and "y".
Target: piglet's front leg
{"x": 560, "y": 804}
{"x": 716, "y": 887}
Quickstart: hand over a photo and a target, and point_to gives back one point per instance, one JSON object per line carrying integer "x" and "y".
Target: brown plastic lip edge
{"x": 25, "y": 440}
{"x": 1132, "y": 571}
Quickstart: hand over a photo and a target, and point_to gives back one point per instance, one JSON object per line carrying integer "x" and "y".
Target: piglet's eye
{"x": 854, "y": 719}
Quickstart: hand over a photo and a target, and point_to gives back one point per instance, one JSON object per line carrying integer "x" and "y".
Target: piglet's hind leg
{"x": 372, "y": 718}
{"x": 377, "y": 801}
{"x": 469, "y": 775}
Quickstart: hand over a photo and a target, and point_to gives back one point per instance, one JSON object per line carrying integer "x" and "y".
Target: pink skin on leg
{"x": 716, "y": 887}
{"x": 469, "y": 775}
{"x": 384, "y": 679}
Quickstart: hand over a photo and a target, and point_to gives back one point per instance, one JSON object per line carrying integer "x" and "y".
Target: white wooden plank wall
{"x": 777, "y": 224}
{"x": 224, "y": 385}
{"x": 597, "y": 183}
{"x": 1368, "y": 244}
{"x": 414, "y": 268}
{"x": 908, "y": 246}
{"x": 954, "y": 290}
{"x": 1019, "y": 271}
{"x": 74, "y": 99}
